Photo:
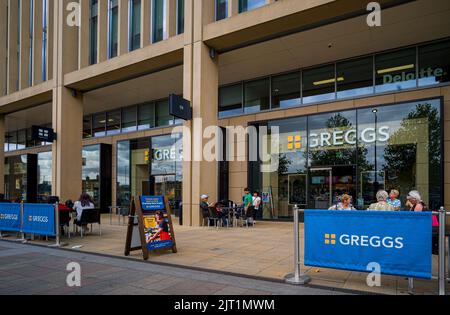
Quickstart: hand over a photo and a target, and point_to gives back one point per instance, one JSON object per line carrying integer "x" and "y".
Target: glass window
{"x": 434, "y": 62}
{"x": 99, "y": 125}
{"x": 135, "y": 25}
{"x": 247, "y": 5}
{"x": 21, "y": 139}
{"x": 221, "y": 9}
{"x": 400, "y": 148}
{"x": 395, "y": 70}
{"x": 45, "y": 13}
{"x": 162, "y": 114}
{"x": 257, "y": 95}
{"x": 93, "y": 32}
{"x": 332, "y": 139}
{"x": 113, "y": 34}
{"x": 123, "y": 173}
{"x": 140, "y": 166}
{"x": 7, "y": 140}
{"x": 286, "y": 90}
{"x": 113, "y": 122}
{"x": 30, "y": 142}
{"x": 13, "y": 141}
{"x": 44, "y": 176}
{"x": 31, "y": 44}
{"x": 319, "y": 84}
{"x": 158, "y": 20}
{"x": 180, "y": 16}
{"x": 91, "y": 172}
{"x": 146, "y": 116}
{"x": 87, "y": 127}
{"x": 230, "y": 100}
{"x": 16, "y": 177}
{"x": 355, "y": 77}
{"x": 129, "y": 119}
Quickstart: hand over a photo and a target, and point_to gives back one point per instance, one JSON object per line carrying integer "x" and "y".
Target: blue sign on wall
{"x": 39, "y": 219}
{"x": 10, "y": 217}
{"x": 400, "y": 242}
{"x": 152, "y": 203}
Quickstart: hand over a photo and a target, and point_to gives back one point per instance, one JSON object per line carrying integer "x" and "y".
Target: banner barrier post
{"x": 410, "y": 285}
{"x": 442, "y": 276}
{"x": 57, "y": 229}
{"x": 22, "y": 238}
{"x": 297, "y": 278}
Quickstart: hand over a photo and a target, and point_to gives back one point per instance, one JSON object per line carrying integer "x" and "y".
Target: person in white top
{"x": 256, "y": 203}
{"x": 85, "y": 202}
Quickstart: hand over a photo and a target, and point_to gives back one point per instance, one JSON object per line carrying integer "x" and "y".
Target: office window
{"x": 44, "y": 39}
{"x": 21, "y": 139}
{"x": 129, "y": 116}
{"x": 221, "y": 9}
{"x": 230, "y": 100}
{"x": 395, "y": 70}
{"x": 146, "y": 116}
{"x": 93, "y": 32}
{"x": 319, "y": 84}
{"x": 113, "y": 22}
{"x": 99, "y": 125}
{"x": 247, "y": 5}
{"x": 29, "y": 140}
{"x": 158, "y": 20}
{"x": 19, "y": 42}
{"x": 286, "y": 90}
{"x": 134, "y": 24}
{"x": 30, "y": 52}
{"x": 87, "y": 127}
{"x": 6, "y": 144}
{"x": 113, "y": 122}
{"x": 180, "y": 17}
{"x": 13, "y": 141}
{"x": 355, "y": 77}
{"x": 162, "y": 114}
{"x": 434, "y": 63}
{"x": 257, "y": 95}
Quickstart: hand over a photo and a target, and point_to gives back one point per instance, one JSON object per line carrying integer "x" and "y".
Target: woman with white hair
{"x": 382, "y": 204}
{"x": 415, "y": 202}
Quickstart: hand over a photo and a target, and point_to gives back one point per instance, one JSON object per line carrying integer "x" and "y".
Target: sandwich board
{"x": 147, "y": 229}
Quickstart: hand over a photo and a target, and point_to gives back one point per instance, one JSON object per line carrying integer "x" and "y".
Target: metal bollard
{"x": 297, "y": 277}
{"x": 442, "y": 276}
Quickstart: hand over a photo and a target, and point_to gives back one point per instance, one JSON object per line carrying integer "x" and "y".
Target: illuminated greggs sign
{"x": 342, "y": 137}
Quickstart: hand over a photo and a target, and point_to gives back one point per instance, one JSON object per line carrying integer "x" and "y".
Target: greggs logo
{"x": 6, "y": 216}
{"x": 38, "y": 218}
{"x": 365, "y": 241}
{"x": 294, "y": 142}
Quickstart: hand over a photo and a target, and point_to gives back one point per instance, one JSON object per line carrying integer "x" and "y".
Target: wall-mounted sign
{"x": 167, "y": 154}
{"x": 179, "y": 107}
{"x": 342, "y": 137}
{"x": 42, "y": 134}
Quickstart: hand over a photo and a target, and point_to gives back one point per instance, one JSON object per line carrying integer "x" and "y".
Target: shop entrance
{"x": 326, "y": 184}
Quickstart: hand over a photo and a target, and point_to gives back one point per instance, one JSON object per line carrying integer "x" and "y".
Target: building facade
{"x": 358, "y": 108}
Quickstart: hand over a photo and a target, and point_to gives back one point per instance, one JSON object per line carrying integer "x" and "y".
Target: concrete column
{"x": 171, "y": 21}
{"x": 83, "y": 41}
{"x": 13, "y": 38}
{"x": 233, "y": 7}
{"x": 102, "y": 42}
{"x": 67, "y": 111}
{"x": 201, "y": 80}
{"x": 24, "y": 44}
{"x": 145, "y": 22}
{"x": 2, "y": 154}
{"x": 37, "y": 42}
{"x": 3, "y": 39}
{"x": 123, "y": 27}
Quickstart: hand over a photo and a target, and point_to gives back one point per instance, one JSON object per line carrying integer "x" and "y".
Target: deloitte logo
{"x": 6, "y": 216}
{"x": 38, "y": 218}
{"x": 365, "y": 241}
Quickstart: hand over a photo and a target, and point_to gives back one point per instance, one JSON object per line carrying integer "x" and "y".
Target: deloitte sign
{"x": 403, "y": 76}
{"x": 342, "y": 137}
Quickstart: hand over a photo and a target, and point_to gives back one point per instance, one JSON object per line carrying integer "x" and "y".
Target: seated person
{"x": 85, "y": 202}
{"x": 344, "y": 204}
{"x": 382, "y": 204}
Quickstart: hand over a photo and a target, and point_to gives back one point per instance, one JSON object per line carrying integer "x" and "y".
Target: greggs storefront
{"x": 357, "y": 152}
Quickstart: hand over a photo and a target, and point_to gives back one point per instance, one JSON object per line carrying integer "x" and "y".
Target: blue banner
{"x": 400, "y": 242}
{"x": 10, "y": 217}
{"x": 152, "y": 203}
{"x": 39, "y": 219}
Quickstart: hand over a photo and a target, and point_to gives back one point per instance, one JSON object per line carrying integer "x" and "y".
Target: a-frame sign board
{"x": 150, "y": 226}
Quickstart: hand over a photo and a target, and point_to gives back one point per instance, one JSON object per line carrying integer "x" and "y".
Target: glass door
{"x": 320, "y": 188}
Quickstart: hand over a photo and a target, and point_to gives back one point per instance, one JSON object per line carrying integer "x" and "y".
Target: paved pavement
{"x": 27, "y": 269}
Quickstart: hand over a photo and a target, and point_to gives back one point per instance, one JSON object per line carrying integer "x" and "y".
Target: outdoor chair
{"x": 89, "y": 216}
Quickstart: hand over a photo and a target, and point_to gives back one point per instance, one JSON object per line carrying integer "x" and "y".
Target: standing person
{"x": 345, "y": 203}
{"x": 257, "y": 201}
{"x": 85, "y": 202}
{"x": 415, "y": 202}
{"x": 394, "y": 201}
{"x": 248, "y": 205}
{"x": 382, "y": 204}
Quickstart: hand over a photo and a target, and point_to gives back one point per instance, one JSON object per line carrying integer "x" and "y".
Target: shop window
{"x": 91, "y": 172}
{"x": 355, "y": 77}
{"x": 163, "y": 118}
{"x": 247, "y": 5}
{"x": 123, "y": 191}
{"x": 286, "y": 90}
{"x": 159, "y": 31}
{"x": 99, "y": 125}
{"x": 230, "y": 100}
{"x": 87, "y": 127}
{"x": 146, "y": 116}
{"x": 180, "y": 17}
{"x": 395, "y": 70}
{"x": 129, "y": 116}
{"x": 134, "y": 24}
{"x": 319, "y": 84}
{"x": 221, "y": 9}
{"x": 113, "y": 122}
{"x": 44, "y": 176}
{"x": 434, "y": 62}
{"x": 257, "y": 95}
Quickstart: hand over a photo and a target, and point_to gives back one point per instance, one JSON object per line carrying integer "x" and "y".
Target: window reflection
{"x": 91, "y": 172}
{"x": 44, "y": 176}
{"x": 355, "y": 77}
{"x": 257, "y": 95}
{"x": 286, "y": 90}
{"x": 319, "y": 84}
